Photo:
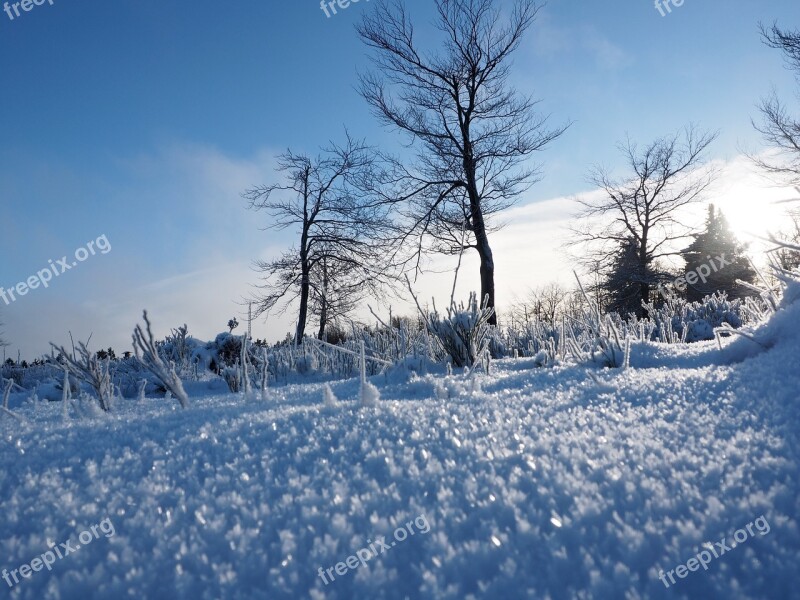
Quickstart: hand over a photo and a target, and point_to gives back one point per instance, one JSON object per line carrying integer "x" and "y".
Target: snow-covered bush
{"x": 307, "y": 364}
{"x": 531, "y": 339}
{"x": 677, "y": 320}
{"x": 232, "y": 377}
{"x": 780, "y": 310}
{"x": 227, "y": 349}
{"x": 128, "y": 373}
{"x": 185, "y": 351}
{"x": 28, "y": 376}
{"x": 147, "y": 354}
{"x": 86, "y": 367}
{"x": 464, "y": 332}
{"x": 597, "y": 338}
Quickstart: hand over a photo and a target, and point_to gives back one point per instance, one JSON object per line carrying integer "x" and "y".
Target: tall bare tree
{"x": 471, "y": 131}
{"x": 337, "y": 227}
{"x": 641, "y": 210}
{"x": 778, "y": 126}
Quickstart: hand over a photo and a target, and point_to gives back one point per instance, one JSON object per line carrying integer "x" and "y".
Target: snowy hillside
{"x": 530, "y": 483}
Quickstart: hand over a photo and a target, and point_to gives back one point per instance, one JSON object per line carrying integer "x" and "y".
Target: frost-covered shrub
{"x": 128, "y": 374}
{"x": 232, "y": 377}
{"x": 533, "y": 338}
{"x": 228, "y": 348}
{"x": 146, "y": 352}
{"x": 307, "y": 364}
{"x": 498, "y": 343}
{"x": 394, "y": 343}
{"x": 779, "y": 309}
{"x": 183, "y": 350}
{"x": 28, "y": 376}
{"x": 464, "y": 332}
{"x": 677, "y": 320}
{"x": 88, "y": 368}
{"x": 596, "y": 337}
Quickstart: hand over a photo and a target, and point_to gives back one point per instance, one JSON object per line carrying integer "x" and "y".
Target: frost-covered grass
{"x": 536, "y": 483}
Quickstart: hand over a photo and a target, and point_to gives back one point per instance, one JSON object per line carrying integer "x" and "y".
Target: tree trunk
{"x": 305, "y": 284}
{"x": 321, "y": 333}
{"x": 487, "y": 276}
{"x": 644, "y": 269}
{"x": 323, "y": 313}
{"x": 305, "y": 276}
{"x": 478, "y": 224}
{"x": 484, "y": 251}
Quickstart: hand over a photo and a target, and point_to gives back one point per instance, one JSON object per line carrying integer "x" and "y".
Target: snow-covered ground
{"x": 533, "y": 483}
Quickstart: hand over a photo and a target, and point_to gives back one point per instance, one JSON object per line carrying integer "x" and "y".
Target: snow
{"x": 536, "y": 482}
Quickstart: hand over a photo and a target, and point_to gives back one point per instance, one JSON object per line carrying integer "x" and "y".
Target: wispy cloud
{"x": 580, "y": 42}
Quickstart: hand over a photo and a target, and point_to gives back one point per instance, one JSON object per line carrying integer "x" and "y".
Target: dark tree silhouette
{"x": 340, "y": 231}
{"x": 470, "y": 129}
{"x": 624, "y": 281}
{"x": 719, "y": 250}
{"x": 641, "y": 211}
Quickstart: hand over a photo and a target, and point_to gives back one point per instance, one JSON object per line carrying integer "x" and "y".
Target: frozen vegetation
{"x": 541, "y": 478}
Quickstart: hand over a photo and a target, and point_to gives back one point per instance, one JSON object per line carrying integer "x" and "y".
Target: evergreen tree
{"x": 643, "y": 205}
{"x": 717, "y": 249}
{"x": 624, "y": 282}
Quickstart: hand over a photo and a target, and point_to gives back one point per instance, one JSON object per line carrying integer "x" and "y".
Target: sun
{"x": 750, "y": 217}
{"x": 754, "y": 207}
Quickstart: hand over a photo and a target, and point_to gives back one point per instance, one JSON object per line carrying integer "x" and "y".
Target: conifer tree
{"x": 718, "y": 249}
{"x": 625, "y": 279}
{"x": 644, "y": 205}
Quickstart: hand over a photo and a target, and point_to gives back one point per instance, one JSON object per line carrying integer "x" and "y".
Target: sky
{"x": 142, "y": 122}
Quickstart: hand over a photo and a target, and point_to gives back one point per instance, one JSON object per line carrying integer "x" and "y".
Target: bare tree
{"x": 778, "y": 126}
{"x": 337, "y": 225}
{"x": 471, "y": 130}
{"x": 641, "y": 211}
{"x": 543, "y": 304}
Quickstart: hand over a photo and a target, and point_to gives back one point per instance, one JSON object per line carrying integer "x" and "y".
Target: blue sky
{"x": 144, "y": 121}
